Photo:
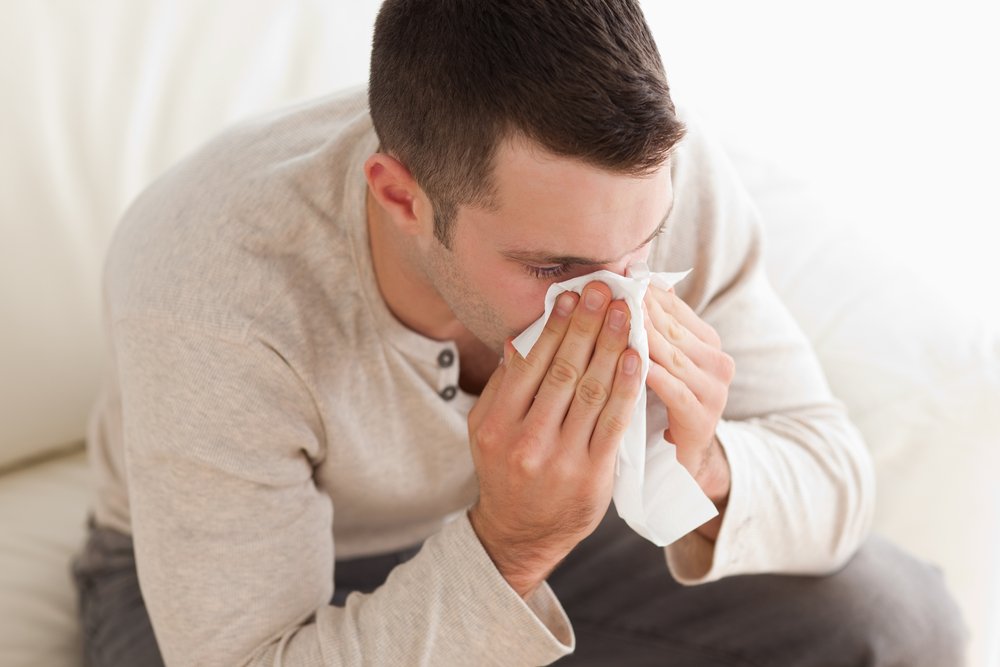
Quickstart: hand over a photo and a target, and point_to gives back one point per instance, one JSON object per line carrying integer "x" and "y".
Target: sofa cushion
{"x": 43, "y": 513}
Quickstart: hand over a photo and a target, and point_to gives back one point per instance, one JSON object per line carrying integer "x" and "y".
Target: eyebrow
{"x": 542, "y": 257}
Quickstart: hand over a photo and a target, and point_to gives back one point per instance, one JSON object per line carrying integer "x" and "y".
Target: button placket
{"x": 449, "y": 375}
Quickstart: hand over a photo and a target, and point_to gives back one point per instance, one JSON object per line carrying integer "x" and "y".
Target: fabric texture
{"x": 113, "y": 618}
{"x": 42, "y": 515}
{"x": 265, "y": 414}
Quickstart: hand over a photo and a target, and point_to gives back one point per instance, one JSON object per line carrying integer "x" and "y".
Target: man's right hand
{"x": 545, "y": 435}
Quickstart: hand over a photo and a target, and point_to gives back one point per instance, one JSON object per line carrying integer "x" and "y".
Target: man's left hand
{"x": 691, "y": 374}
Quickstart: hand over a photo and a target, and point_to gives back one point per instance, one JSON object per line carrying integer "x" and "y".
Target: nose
{"x": 620, "y": 267}
{"x": 623, "y": 266}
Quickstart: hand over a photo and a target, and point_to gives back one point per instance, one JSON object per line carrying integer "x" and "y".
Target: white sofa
{"x": 102, "y": 96}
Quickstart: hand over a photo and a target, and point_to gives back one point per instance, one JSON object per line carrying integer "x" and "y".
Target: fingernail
{"x": 564, "y": 304}
{"x": 616, "y": 319}
{"x": 594, "y": 299}
{"x": 631, "y": 364}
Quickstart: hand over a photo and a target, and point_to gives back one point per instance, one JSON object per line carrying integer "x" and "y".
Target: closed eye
{"x": 547, "y": 272}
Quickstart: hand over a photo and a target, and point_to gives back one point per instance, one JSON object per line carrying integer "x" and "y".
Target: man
{"x": 309, "y": 455}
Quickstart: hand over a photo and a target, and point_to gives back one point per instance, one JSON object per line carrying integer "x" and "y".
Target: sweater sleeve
{"x": 802, "y": 494}
{"x": 234, "y": 541}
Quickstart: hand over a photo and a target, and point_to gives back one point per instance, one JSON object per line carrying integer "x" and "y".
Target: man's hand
{"x": 691, "y": 374}
{"x": 545, "y": 434}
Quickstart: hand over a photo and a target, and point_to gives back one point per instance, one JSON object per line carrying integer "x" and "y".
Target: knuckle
{"x": 612, "y": 343}
{"x": 523, "y": 365}
{"x": 487, "y": 436}
{"x": 677, "y": 358}
{"x": 524, "y": 462}
{"x": 592, "y": 392}
{"x": 582, "y": 327}
{"x": 552, "y": 329}
{"x": 612, "y": 426}
{"x": 674, "y": 330}
{"x": 562, "y": 372}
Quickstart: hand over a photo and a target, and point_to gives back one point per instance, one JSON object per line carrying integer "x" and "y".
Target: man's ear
{"x": 396, "y": 191}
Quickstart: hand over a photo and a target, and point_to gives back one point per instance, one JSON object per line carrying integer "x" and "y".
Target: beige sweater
{"x": 266, "y": 414}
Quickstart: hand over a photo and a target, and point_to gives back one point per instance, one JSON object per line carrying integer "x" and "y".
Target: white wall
{"x": 891, "y": 109}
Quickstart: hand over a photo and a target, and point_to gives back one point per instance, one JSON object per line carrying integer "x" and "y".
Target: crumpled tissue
{"x": 655, "y": 495}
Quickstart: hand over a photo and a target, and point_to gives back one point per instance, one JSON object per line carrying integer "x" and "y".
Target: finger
{"x": 595, "y": 387}
{"x": 678, "y": 335}
{"x": 488, "y": 395}
{"x": 714, "y": 362}
{"x": 681, "y": 403}
{"x": 617, "y": 413}
{"x": 573, "y": 356}
{"x": 523, "y": 375}
{"x": 669, "y": 302}
{"x": 673, "y": 359}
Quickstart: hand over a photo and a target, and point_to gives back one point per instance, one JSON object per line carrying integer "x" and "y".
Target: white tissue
{"x": 654, "y": 493}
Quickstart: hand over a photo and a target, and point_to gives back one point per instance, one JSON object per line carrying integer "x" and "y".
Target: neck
{"x": 405, "y": 288}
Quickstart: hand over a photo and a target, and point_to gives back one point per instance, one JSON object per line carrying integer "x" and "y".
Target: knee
{"x": 897, "y": 609}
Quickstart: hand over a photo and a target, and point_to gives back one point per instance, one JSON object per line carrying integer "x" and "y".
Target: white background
{"x": 890, "y": 109}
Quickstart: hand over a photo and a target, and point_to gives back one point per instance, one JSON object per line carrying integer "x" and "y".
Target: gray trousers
{"x": 883, "y": 608}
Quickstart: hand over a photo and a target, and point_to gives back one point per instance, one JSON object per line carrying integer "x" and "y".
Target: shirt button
{"x": 446, "y": 358}
{"x": 448, "y": 393}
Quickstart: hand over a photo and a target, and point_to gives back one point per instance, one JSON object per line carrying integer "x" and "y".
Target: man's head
{"x": 527, "y": 128}
{"x": 451, "y": 78}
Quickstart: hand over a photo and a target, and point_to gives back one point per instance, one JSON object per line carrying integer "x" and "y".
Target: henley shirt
{"x": 264, "y": 414}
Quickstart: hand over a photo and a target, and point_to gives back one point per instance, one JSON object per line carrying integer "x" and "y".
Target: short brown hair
{"x": 451, "y": 78}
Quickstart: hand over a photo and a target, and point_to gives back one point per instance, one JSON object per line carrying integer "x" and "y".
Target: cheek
{"x": 517, "y": 297}
{"x": 529, "y": 305}
{"x": 514, "y": 298}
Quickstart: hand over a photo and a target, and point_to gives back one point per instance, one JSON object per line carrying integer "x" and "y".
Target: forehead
{"x": 562, "y": 205}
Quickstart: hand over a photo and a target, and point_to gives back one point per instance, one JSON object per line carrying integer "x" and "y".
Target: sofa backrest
{"x": 99, "y": 98}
